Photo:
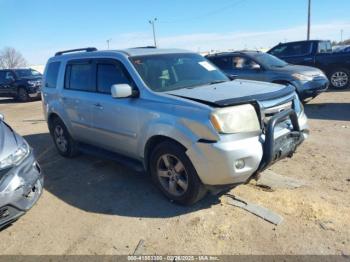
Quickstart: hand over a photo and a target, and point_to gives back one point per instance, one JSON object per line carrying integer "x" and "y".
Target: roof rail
{"x": 86, "y": 49}
{"x": 149, "y": 46}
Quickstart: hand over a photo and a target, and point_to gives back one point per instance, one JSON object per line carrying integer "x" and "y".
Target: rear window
{"x": 52, "y": 74}
{"x": 80, "y": 77}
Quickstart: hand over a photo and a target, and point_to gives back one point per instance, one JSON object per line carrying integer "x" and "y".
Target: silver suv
{"x": 171, "y": 113}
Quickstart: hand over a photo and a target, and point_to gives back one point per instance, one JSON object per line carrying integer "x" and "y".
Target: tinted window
{"x": 79, "y": 77}
{"x": 27, "y": 73}
{"x": 223, "y": 62}
{"x": 52, "y": 74}
{"x": 292, "y": 49}
{"x": 108, "y": 75}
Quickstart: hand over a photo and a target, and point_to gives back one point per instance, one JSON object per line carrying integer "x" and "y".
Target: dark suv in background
{"x": 317, "y": 53}
{"x": 254, "y": 65}
{"x": 21, "y": 84}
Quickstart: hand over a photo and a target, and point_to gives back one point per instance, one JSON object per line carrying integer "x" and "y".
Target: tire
{"x": 173, "y": 173}
{"x": 22, "y": 95}
{"x": 64, "y": 142}
{"x": 340, "y": 78}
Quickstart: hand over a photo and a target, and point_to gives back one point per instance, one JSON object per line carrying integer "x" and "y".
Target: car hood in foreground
{"x": 234, "y": 92}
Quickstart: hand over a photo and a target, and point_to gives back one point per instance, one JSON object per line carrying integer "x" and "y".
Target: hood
{"x": 31, "y": 78}
{"x": 304, "y": 70}
{"x": 8, "y": 140}
{"x": 234, "y": 92}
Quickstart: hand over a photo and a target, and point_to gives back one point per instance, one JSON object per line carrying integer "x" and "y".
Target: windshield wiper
{"x": 217, "y": 82}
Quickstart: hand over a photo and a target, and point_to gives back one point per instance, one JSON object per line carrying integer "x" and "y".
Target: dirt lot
{"x": 93, "y": 206}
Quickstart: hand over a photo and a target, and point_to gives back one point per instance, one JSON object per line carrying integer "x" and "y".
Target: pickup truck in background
{"x": 317, "y": 53}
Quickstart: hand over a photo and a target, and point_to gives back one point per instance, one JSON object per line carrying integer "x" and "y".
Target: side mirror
{"x": 123, "y": 91}
{"x": 232, "y": 77}
{"x": 2, "y": 118}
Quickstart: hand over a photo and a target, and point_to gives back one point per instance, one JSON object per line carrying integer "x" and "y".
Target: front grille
{"x": 271, "y": 111}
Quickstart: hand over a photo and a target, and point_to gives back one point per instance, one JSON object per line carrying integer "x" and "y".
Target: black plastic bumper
{"x": 284, "y": 146}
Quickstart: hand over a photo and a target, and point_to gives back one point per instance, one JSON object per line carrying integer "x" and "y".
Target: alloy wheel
{"x": 60, "y": 138}
{"x": 172, "y": 174}
{"x": 339, "y": 79}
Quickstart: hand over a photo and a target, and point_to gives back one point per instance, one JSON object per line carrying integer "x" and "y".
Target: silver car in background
{"x": 172, "y": 113}
{"x": 21, "y": 181}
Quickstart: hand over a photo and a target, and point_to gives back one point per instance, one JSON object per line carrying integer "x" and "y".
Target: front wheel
{"x": 22, "y": 95}
{"x": 174, "y": 174}
{"x": 340, "y": 78}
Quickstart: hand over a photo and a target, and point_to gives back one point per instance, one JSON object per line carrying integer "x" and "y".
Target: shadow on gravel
{"x": 101, "y": 186}
{"x": 328, "y": 111}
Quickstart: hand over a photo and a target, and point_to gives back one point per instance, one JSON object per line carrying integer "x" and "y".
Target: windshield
{"x": 270, "y": 61}
{"x": 27, "y": 73}
{"x": 176, "y": 71}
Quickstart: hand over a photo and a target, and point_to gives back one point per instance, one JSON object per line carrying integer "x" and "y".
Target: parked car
{"x": 21, "y": 181}
{"x": 318, "y": 54}
{"x": 341, "y": 49}
{"x": 21, "y": 84}
{"x": 254, "y": 65}
{"x": 172, "y": 113}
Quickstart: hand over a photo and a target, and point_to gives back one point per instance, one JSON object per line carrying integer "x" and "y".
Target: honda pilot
{"x": 171, "y": 113}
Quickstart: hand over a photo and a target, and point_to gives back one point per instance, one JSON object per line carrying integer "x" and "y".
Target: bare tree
{"x": 11, "y": 58}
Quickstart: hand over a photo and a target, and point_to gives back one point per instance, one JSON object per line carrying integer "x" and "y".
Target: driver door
{"x": 115, "y": 121}
{"x": 246, "y": 68}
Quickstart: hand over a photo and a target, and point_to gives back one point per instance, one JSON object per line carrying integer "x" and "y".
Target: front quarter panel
{"x": 181, "y": 123}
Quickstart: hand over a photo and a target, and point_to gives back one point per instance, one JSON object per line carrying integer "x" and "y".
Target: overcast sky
{"x": 38, "y": 28}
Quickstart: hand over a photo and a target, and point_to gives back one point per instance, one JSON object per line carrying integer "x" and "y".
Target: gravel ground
{"x": 93, "y": 206}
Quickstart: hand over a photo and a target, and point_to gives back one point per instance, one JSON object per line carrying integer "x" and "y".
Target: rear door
{"x": 78, "y": 97}
{"x": 115, "y": 121}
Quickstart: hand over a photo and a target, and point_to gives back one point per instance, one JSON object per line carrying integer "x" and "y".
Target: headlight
{"x": 302, "y": 77}
{"x": 33, "y": 83}
{"x": 16, "y": 157}
{"x": 235, "y": 119}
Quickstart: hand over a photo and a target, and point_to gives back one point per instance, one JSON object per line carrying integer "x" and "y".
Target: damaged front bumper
{"x": 217, "y": 163}
{"x": 20, "y": 189}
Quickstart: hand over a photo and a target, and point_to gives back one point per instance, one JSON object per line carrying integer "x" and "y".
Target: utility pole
{"x": 309, "y": 20}
{"x": 341, "y": 36}
{"x": 152, "y": 22}
{"x": 108, "y": 41}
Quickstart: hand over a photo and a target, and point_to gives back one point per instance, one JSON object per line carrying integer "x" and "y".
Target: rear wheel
{"x": 22, "y": 95}
{"x": 174, "y": 174}
{"x": 340, "y": 78}
{"x": 64, "y": 143}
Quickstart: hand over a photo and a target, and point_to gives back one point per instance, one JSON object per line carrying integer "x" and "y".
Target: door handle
{"x": 308, "y": 59}
{"x": 98, "y": 105}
